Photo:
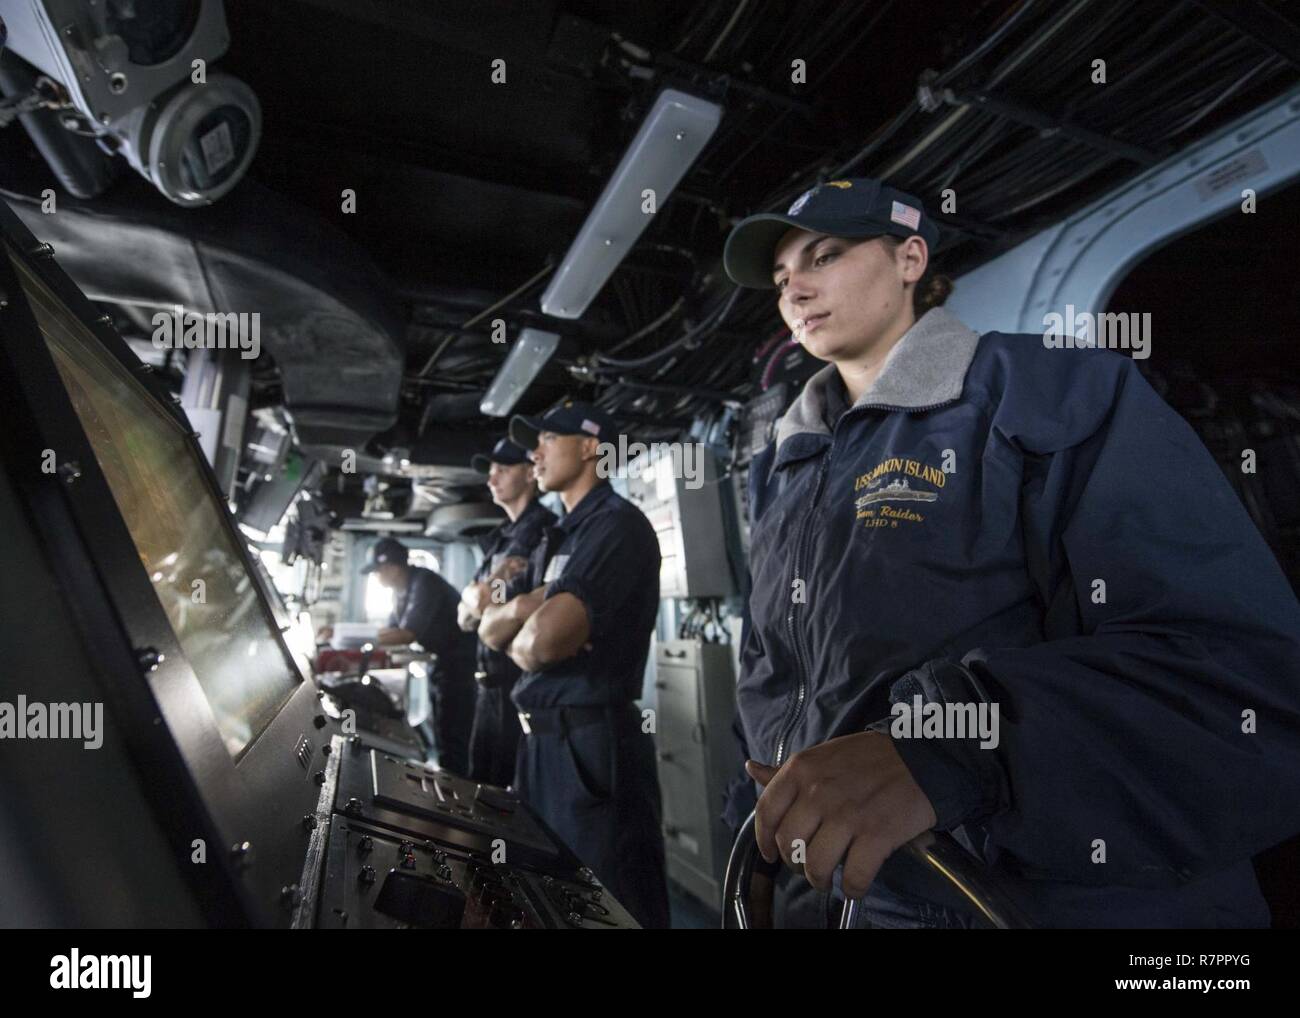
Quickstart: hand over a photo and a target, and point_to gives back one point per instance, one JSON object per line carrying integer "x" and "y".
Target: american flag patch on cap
{"x": 591, "y": 427}
{"x": 905, "y": 215}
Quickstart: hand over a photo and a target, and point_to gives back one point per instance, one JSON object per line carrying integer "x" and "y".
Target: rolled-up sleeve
{"x": 608, "y": 569}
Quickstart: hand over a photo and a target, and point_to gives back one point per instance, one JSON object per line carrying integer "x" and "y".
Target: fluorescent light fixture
{"x": 384, "y": 526}
{"x": 671, "y": 138}
{"x": 531, "y": 351}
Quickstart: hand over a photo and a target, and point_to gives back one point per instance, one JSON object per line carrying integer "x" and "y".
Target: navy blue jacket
{"x": 606, "y": 554}
{"x": 512, "y": 539}
{"x": 996, "y": 520}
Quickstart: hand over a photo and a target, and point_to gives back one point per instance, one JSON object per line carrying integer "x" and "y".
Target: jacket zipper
{"x": 801, "y": 688}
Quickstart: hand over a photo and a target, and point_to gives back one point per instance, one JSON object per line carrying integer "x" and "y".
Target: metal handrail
{"x": 935, "y": 850}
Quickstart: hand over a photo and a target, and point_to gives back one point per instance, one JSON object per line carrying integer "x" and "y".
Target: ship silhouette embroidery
{"x": 896, "y": 491}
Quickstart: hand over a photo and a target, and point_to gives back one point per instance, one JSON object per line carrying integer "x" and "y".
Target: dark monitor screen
{"x": 175, "y": 520}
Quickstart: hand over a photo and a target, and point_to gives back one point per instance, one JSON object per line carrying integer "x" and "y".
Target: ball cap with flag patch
{"x": 504, "y": 452}
{"x": 568, "y": 418}
{"x": 857, "y": 208}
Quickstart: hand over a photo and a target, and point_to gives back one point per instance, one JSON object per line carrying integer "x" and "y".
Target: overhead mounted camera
{"x": 129, "y": 67}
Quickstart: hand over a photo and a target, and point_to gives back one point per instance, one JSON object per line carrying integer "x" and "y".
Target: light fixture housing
{"x": 673, "y": 135}
{"x": 525, "y": 361}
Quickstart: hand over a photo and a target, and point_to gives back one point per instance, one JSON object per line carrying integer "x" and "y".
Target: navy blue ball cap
{"x": 567, "y": 418}
{"x": 856, "y": 208}
{"x": 504, "y": 452}
{"x": 386, "y": 549}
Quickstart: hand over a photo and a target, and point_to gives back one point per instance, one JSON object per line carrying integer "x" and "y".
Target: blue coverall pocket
{"x": 589, "y": 749}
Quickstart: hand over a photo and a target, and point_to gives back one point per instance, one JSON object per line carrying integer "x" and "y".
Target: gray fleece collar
{"x": 927, "y": 366}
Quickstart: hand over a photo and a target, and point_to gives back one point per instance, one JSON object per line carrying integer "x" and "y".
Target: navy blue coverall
{"x": 1000, "y": 521}
{"x": 588, "y": 765}
{"x": 427, "y": 607}
{"x": 494, "y": 741}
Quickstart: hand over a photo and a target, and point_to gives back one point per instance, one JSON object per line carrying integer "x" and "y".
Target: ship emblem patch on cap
{"x": 591, "y": 427}
{"x": 841, "y": 184}
{"x": 905, "y": 215}
{"x": 800, "y": 202}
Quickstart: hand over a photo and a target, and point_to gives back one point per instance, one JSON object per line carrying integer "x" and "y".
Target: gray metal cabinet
{"x": 696, "y": 694}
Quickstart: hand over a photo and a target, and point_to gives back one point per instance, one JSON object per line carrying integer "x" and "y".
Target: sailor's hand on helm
{"x": 849, "y": 800}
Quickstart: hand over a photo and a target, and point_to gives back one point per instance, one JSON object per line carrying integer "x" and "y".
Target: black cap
{"x": 858, "y": 207}
{"x": 568, "y": 418}
{"x": 386, "y": 549}
{"x": 504, "y": 452}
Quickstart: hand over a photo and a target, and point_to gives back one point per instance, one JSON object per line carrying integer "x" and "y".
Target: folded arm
{"x": 555, "y": 632}
{"x": 501, "y": 622}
